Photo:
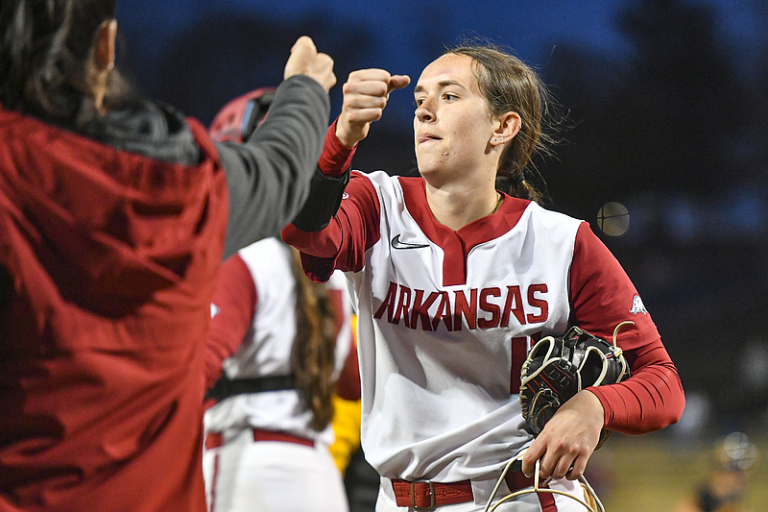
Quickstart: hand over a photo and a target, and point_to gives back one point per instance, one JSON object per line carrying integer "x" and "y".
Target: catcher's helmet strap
{"x": 594, "y": 504}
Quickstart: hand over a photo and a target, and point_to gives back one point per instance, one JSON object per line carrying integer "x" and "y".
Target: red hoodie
{"x": 112, "y": 258}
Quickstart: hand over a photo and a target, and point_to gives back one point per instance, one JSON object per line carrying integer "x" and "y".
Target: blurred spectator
{"x": 724, "y": 488}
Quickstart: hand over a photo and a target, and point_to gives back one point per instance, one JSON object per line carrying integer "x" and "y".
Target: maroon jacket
{"x": 112, "y": 258}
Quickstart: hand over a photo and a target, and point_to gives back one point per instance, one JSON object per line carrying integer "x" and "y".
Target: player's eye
{"x": 449, "y": 96}
{"x": 418, "y": 102}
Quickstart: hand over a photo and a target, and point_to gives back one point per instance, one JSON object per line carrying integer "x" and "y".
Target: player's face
{"x": 452, "y": 125}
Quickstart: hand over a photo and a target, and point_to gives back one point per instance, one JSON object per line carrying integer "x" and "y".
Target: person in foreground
{"x": 455, "y": 273}
{"x": 115, "y": 215}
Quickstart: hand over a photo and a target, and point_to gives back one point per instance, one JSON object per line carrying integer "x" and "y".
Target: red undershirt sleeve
{"x": 651, "y": 399}
{"x": 234, "y": 304}
{"x": 354, "y": 229}
{"x": 602, "y": 296}
{"x": 335, "y": 157}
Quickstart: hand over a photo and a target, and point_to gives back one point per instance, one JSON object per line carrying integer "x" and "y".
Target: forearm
{"x": 315, "y": 233}
{"x": 651, "y": 399}
{"x": 328, "y": 183}
{"x": 269, "y": 175}
{"x": 327, "y": 235}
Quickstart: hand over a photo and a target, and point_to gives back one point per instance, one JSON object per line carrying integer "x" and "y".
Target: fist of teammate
{"x": 305, "y": 60}
{"x": 365, "y": 95}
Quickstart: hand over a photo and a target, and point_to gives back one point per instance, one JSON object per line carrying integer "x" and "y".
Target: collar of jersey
{"x": 457, "y": 244}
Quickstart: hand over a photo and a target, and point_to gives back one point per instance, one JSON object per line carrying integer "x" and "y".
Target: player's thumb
{"x": 304, "y": 46}
{"x": 303, "y": 53}
{"x": 398, "y": 82}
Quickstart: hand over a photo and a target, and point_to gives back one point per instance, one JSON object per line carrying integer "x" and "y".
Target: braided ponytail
{"x": 313, "y": 355}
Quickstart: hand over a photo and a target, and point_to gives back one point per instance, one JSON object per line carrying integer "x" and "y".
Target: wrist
{"x": 343, "y": 134}
{"x": 597, "y": 405}
{"x": 336, "y": 158}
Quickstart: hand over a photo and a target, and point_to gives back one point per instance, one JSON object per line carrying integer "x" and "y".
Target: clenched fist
{"x": 365, "y": 95}
{"x": 305, "y": 60}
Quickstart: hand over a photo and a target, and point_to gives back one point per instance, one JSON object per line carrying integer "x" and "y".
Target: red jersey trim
{"x": 342, "y": 244}
{"x": 456, "y": 245}
{"x": 348, "y": 384}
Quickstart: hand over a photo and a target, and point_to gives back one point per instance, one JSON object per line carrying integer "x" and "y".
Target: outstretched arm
{"x": 269, "y": 174}
{"x": 323, "y": 234}
{"x": 366, "y": 93}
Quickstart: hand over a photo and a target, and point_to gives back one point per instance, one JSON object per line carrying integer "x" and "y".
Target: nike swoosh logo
{"x": 397, "y": 244}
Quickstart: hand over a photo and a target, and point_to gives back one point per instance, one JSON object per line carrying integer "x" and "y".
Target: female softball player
{"x": 454, "y": 273}
{"x": 286, "y": 341}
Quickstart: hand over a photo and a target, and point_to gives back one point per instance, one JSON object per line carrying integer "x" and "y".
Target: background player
{"x": 454, "y": 273}
{"x": 287, "y": 340}
{"x": 723, "y": 489}
{"x": 282, "y": 342}
{"x": 114, "y": 215}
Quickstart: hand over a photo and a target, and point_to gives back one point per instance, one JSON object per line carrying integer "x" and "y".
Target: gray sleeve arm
{"x": 269, "y": 175}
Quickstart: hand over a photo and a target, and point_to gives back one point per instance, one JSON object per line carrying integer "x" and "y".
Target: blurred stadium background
{"x": 667, "y": 120}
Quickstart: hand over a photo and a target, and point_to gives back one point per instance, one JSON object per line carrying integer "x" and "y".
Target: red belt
{"x": 425, "y": 495}
{"x": 215, "y": 439}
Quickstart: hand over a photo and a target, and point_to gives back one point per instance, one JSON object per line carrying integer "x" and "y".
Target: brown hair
{"x": 45, "y": 55}
{"x": 509, "y": 85}
{"x": 313, "y": 355}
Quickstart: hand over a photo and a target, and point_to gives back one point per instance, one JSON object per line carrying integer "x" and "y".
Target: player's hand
{"x": 568, "y": 439}
{"x": 365, "y": 95}
{"x": 305, "y": 60}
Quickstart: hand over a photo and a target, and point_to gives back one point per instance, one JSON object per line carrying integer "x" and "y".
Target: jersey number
{"x": 520, "y": 347}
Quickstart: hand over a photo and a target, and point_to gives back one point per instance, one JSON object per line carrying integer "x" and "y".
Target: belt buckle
{"x": 431, "y": 495}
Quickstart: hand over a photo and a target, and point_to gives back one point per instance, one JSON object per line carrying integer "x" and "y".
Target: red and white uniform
{"x": 445, "y": 319}
{"x": 254, "y": 319}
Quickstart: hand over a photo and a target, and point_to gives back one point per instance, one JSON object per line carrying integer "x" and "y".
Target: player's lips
{"x": 427, "y": 137}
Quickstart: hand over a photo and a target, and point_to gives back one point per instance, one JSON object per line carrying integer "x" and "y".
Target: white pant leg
{"x": 564, "y": 503}
{"x": 269, "y": 476}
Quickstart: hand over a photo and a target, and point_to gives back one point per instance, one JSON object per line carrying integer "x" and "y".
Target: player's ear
{"x": 507, "y": 126}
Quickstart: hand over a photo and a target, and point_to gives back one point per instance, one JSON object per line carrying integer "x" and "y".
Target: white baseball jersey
{"x": 445, "y": 320}
{"x": 444, "y": 328}
{"x": 266, "y": 350}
